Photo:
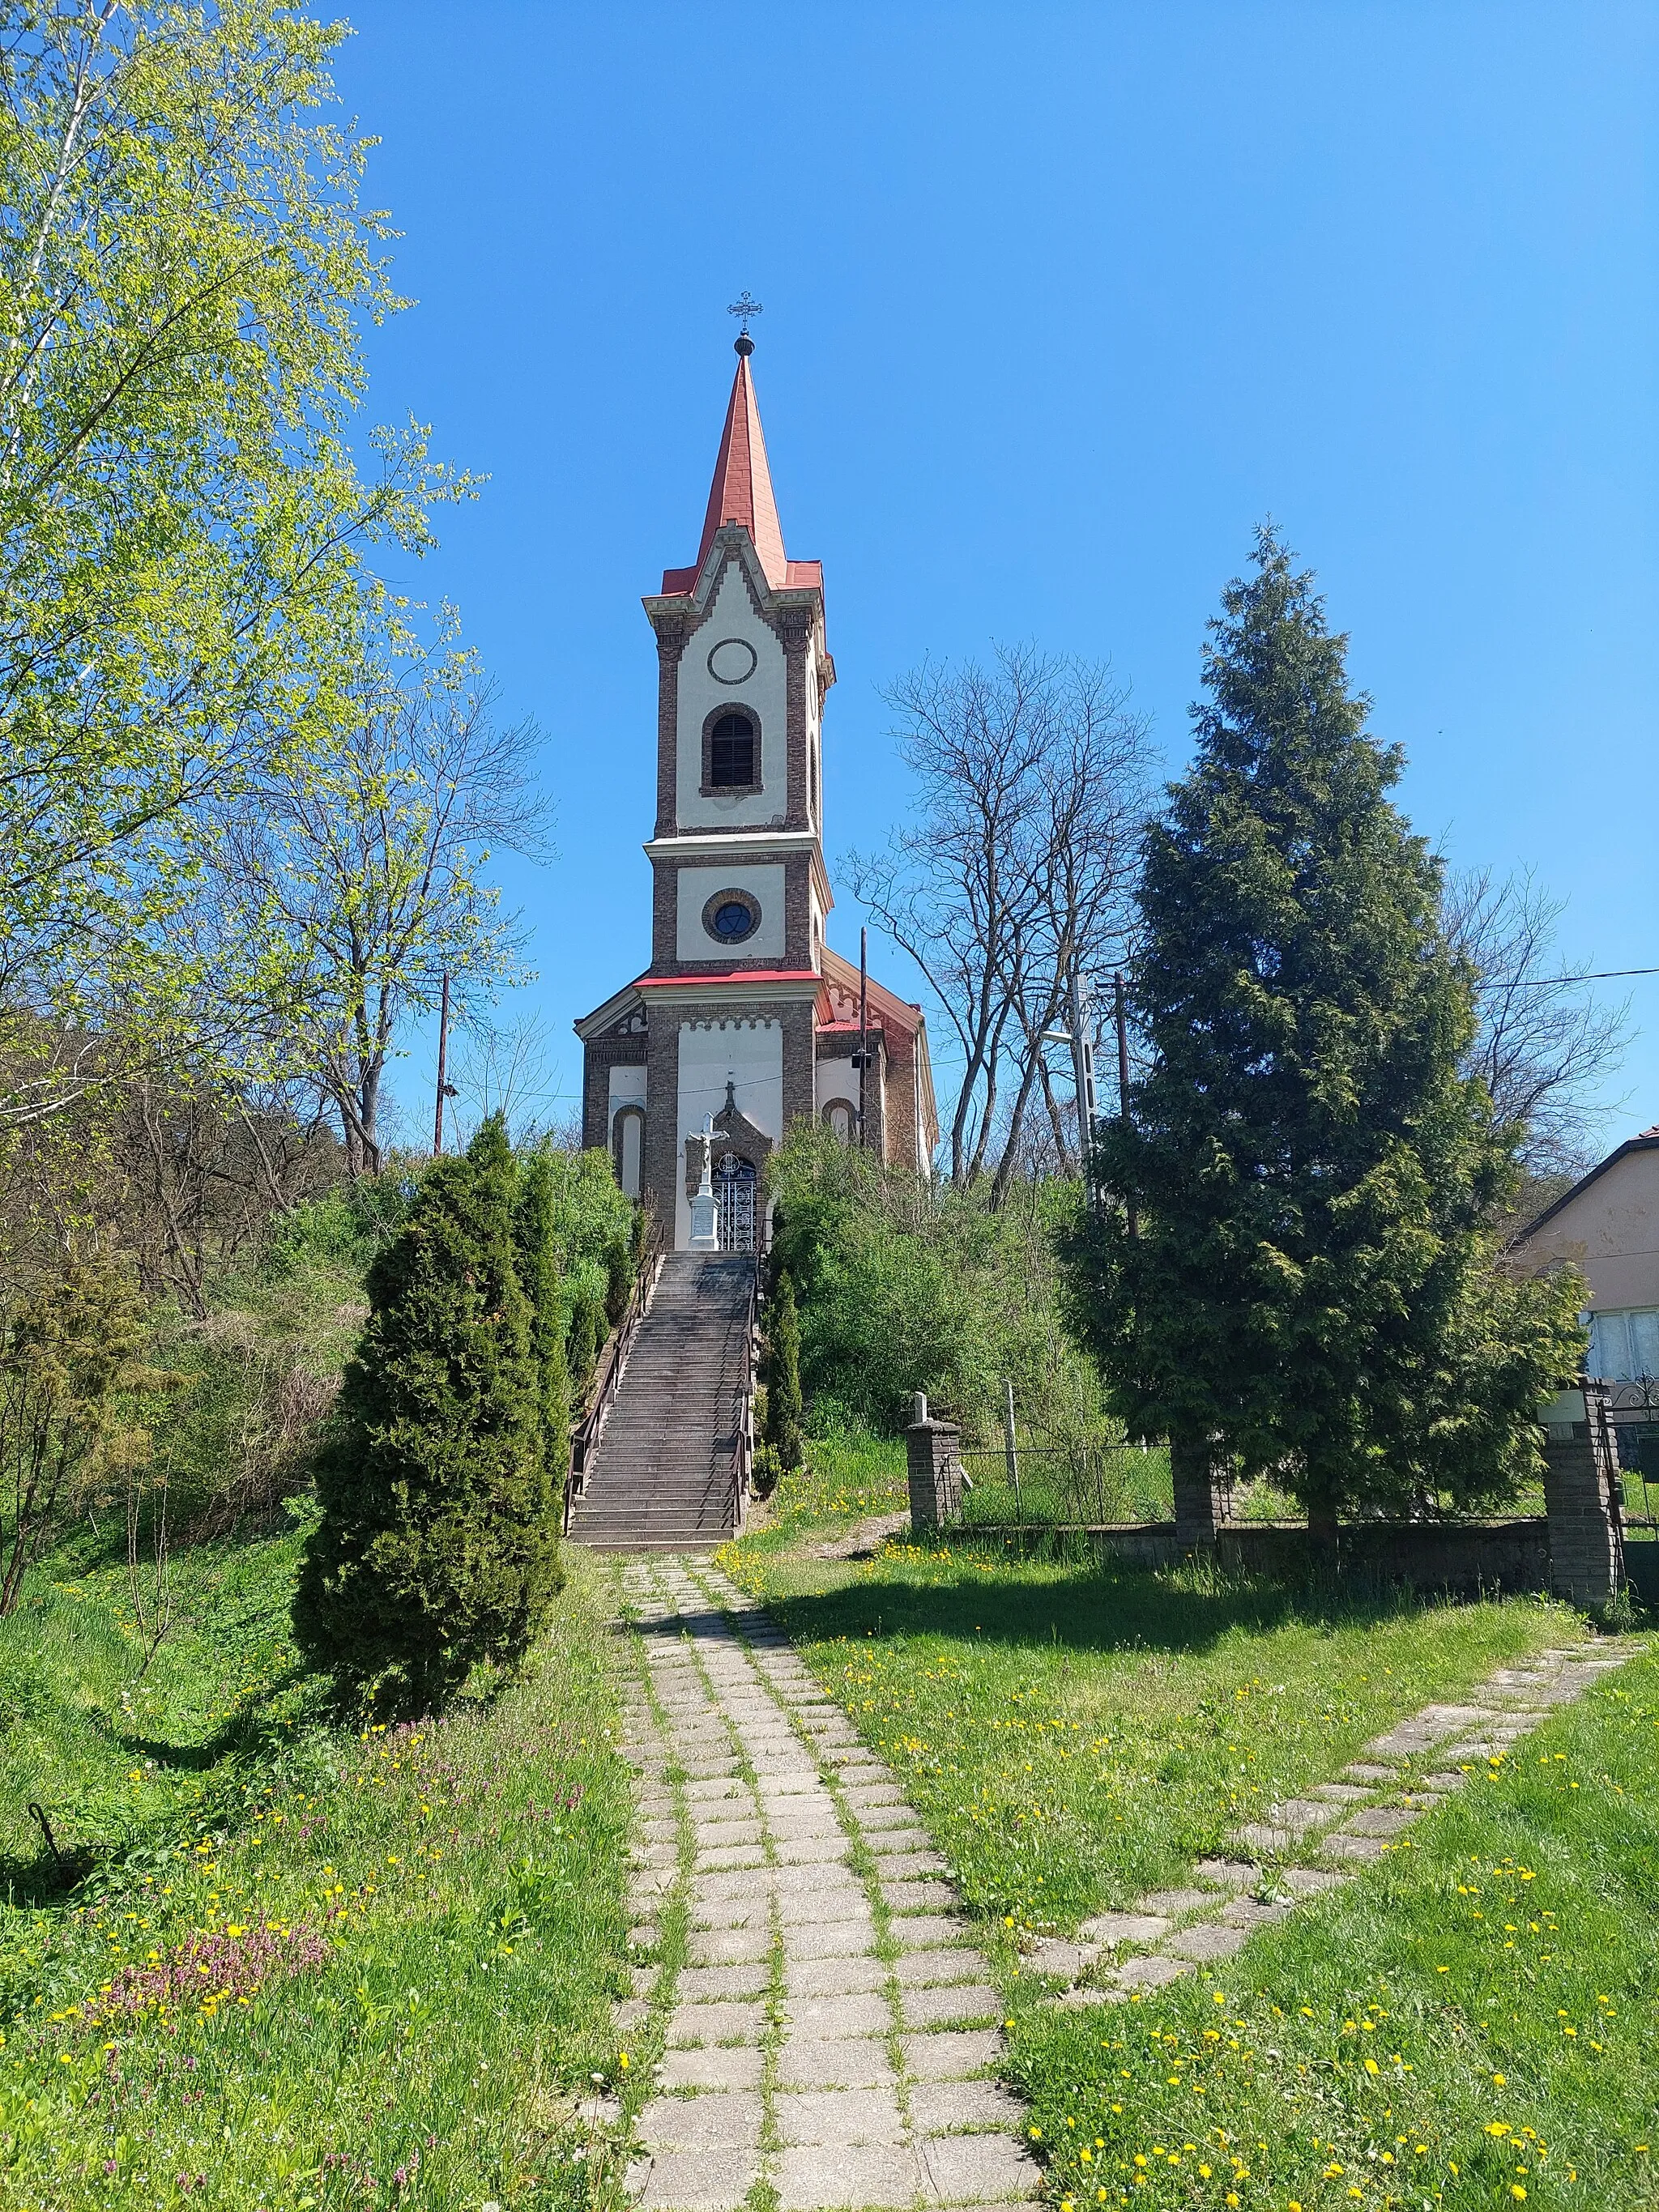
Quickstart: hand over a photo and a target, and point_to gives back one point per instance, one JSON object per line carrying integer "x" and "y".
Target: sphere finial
{"x": 742, "y": 346}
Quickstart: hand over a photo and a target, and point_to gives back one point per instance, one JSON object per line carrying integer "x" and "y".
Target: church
{"x": 744, "y": 1017}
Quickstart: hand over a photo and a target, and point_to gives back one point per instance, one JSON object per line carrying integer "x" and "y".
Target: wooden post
{"x": 1009, "y": 1452}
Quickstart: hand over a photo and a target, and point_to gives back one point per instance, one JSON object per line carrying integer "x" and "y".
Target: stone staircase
{"x": 662, "y": 1478}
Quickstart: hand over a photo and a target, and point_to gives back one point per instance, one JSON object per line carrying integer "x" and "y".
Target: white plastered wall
{"x": 835, "y": 1079}
{"x": 627, "y": 1089}
{"x": 695, "y": 887}
{"x": 750, "y": 1053}
{"x": 765, "y": 693}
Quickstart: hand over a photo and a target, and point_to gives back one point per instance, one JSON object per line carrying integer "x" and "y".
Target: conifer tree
{"x": 536, "y": 1238}
{"x": 439, "y": 1541}
{"x": 783, "y": 1398}
{"x": 1313, "y": 1287}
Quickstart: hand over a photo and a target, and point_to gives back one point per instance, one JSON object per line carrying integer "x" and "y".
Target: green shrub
{"x": 902, "y": 1286}
{"x": 783, "y": 1403}
{"x": 536, "y": 1232}
{"x": 438, "y": 1545}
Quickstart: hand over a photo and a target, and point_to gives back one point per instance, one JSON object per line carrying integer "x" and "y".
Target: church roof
{"x": 742, "y": 492}
{"x": 838, "y": 1002}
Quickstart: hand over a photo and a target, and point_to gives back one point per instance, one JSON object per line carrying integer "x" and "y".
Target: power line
{"x": 1598, "y": 976}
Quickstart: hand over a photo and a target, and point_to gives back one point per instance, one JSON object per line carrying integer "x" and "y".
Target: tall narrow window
{"x": 731, "y": 753}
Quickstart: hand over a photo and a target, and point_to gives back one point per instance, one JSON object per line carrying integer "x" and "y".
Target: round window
{"x": 732, "y": 661}
{"x": 731, "y": 916}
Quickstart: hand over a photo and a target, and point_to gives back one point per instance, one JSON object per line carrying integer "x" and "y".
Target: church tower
{"x": 744, "y": 1016}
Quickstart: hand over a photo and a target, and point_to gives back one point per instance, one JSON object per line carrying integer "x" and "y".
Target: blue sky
{"x": 1059, "y": 302}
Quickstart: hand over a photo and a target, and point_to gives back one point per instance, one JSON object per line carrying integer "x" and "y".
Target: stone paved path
{"x": 832, "y": 2032}
{"x": 1313, "y": 1844}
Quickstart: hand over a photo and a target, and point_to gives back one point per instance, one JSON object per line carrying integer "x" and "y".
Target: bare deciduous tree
{"x": 1017, "y": 873}
{"x": 345, "y": 891}
{"x": 1543, "y": 1049}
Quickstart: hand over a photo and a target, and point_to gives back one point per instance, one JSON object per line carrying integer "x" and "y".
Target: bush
{"x": 903, "y": 1286}
{"x": 536, "y": 1230}
{"x": 438, "y": 1545}
{"x": 783, "y": 1406}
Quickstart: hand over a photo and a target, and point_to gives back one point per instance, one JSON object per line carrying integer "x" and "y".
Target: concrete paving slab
{"x": 840, "y": 2115}
{"x": 943, "y": 1963}
{"x": 819, "y": 2179}
{"x": 967, "y": 2002}
{"x": 939, "y": 2107}
{"x": 1363, "y": 1847}
{"x": 730, "y": 1855}
{"x": 920, "y": 1896}
{"x": 867, "y": 2013}
{"x": 975, "y": 2169}
{"x": 835, "y": 1898}
{"x": 950, "y": 2055}
{"x": 810, "y": 1850}
{"x": 695, "y": 2180}
{"x": 828, "y": 1939}
{"x": 730, "y": 1946}
{"x": 921, "y": 1931}
{"x": 1127, "y": 1927}
{"x": 833, "y": 1977}
{"x": 1173, "y": 1902}
{"x": 720, "y": 2119}
{"x": 1379, "y": 1821}
{"x": 1227, "y": 1873}
{"x": 834, "y": 2062}
{"x": 736, "y": 1981}
{"x": 1211, "y": 1940}
{"x": 1152, "y": 1972}
{"x": 722, "y": 2020}
{"x": 714, "y": 2069}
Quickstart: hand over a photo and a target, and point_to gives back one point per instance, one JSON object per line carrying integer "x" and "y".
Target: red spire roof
{"x": 742, "y": 492}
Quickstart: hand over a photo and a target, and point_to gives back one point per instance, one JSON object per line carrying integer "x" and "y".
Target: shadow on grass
{"x": 1081, "y": 1601}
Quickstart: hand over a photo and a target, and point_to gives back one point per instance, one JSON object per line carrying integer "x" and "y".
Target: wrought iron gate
{"x": 734, "y": 1192}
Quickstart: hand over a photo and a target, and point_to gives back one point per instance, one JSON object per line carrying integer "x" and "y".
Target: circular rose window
{"x": 732, "y": 916}
{"x": 732, "y": 661}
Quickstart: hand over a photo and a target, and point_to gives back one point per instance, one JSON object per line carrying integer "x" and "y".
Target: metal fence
{"x": 1067, "y": 1485}
{"x": 1633, "y": 1407}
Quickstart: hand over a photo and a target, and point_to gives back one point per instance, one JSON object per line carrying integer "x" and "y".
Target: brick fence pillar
{"x": 932, "y": 1453}
{"x": 1581, "y": 1500}
{"x": 1197, "y": 1493}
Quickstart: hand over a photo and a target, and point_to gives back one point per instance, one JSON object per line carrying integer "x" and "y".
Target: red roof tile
{"x": 742, "y": 492}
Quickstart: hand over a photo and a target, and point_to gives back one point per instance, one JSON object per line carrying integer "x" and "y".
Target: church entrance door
{"x": 734, "y": 1193}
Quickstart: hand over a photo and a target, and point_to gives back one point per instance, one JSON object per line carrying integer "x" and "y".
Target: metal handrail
{"x": 584, "y": 1434}
{"x": 743, "y": 1454}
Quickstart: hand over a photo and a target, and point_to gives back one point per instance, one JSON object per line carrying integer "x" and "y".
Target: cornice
{"x": 741, "y": 845}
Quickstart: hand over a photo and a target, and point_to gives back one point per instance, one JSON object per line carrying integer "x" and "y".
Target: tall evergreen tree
{"x": 1313, "y": 1288}
{"x": 783, "y": 1398}
{"x": 439, "y": 1541}
{"x": 536, "y": 1232}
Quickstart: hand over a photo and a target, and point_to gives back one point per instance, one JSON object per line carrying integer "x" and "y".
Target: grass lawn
{"x": 1474, "y": 2023}
{"x": 308, "y": 1967}
{"x": 1074, "y": 1733}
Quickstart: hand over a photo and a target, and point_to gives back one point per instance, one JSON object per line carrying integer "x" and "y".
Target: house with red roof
{"x": 744, "y": 1019}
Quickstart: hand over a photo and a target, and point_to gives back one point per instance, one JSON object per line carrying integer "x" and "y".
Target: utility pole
{"x": 1081, "y": 1038}
{"x": 862, "y": 1059}
{"x": 444, "y": 1090}
{"x": 1082, "y": 1074}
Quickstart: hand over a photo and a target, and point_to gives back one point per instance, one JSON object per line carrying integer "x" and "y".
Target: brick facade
{"x": 785, "y": 599}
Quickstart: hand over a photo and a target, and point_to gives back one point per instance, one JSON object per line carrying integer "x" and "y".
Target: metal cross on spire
{"x": 742, "y": 346}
